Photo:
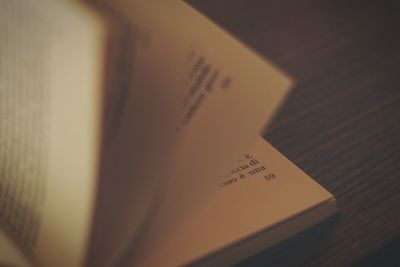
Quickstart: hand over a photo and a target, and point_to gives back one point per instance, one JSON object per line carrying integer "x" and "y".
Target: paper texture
{"x": 50, "y": 68}
{"x": 264, "y": 191}
{"x": 224, "y": 95}
{"x": 10, "y": 254}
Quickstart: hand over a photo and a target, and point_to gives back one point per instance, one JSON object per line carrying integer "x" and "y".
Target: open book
{"x": 130, "y": 136}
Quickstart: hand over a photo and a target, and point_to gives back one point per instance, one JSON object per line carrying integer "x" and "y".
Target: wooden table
{"x": 341, "y": 124}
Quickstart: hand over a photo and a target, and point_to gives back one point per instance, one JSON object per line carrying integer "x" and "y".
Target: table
{"x": 340, "y": 124}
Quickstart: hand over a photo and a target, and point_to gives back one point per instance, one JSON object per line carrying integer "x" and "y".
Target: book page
{"x": 50, "y": 72}
{"x": 230, "y": 95}
{"x": 265, "y": 199}
{"x": 10, "y": 255}
{"x": 141, "y": 137}
{"x": 198, "y": 98}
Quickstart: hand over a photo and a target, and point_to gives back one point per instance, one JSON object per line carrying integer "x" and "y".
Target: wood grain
{"x": 341, "y": 124}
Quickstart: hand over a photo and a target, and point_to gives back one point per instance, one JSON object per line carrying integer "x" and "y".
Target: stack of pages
{"x": 130, "y": 136}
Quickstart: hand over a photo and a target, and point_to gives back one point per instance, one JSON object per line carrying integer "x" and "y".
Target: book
{"x": 130, "y": 136}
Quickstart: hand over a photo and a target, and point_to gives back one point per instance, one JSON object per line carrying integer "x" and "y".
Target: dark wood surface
{"x": 341, "y": 123}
